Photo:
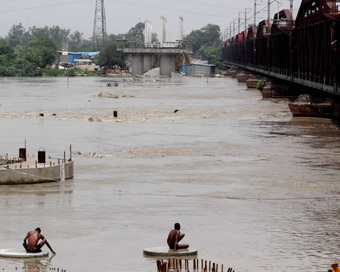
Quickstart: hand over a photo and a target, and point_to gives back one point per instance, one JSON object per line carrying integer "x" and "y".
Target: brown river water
{"x": 252, "y": 188}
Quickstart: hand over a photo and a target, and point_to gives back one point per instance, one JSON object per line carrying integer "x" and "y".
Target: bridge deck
{"x": 167, "y": 51}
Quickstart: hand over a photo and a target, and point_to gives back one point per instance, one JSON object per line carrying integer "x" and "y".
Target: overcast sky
{"x": 121, "y": 15}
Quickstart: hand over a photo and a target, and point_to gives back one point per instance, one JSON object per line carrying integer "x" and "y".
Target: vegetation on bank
{"x": 206, "y": 44}
{"x": 74, "y": 71}
{"x": 260, "y": 85}
{"x": 32, "y": 52}
{"x": 26, "y": 60}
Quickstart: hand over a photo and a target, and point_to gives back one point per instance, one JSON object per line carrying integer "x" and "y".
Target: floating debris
{"x": 94, "y": 119}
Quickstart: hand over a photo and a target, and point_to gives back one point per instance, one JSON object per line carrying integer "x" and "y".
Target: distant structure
{"x": 165, "y": 55}
{"x": 163, "y": 30}
{"x": 181, "y": 28}
{"x": 99, "y": 27}
{"x": 148, "y": 33}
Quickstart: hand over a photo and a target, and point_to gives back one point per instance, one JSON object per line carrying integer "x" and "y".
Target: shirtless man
{"x": 174, "y": 237}
{"x": 33, "y": 245}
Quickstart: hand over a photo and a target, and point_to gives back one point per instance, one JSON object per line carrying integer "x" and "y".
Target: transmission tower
{"x": 99, "y": 27}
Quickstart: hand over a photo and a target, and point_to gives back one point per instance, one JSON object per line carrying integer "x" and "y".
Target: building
{"x": 73, "y": 58}
{"x": 199, "y": 69}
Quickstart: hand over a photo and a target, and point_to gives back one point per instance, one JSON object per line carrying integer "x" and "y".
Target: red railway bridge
{"x": 304, "y": 51}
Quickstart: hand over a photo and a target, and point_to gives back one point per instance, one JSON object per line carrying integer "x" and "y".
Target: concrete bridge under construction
{"x": 304, "y": 51}
{"x": 144, "y": 59}
{"x": 150, "y": 54}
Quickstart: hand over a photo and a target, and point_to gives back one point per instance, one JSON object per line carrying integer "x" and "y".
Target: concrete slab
{"x": 29, "y": 173}
{"x": 166, "y": 252}
{"x": 20, "y": 253}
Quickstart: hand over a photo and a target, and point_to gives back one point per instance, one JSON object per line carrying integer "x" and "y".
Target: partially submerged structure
{"x": 30, "y": 170}
{"x": 199, "y": 69}
{"x": 149, "y": 55}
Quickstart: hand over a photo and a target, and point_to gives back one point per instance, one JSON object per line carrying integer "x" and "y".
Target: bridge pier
{"x": 143, "y": 62}
{"x": 137, "y": 64}
{"x": 147, "y": 62}
{"x": 143, "y": 59}
{"x": 167, "y": 65}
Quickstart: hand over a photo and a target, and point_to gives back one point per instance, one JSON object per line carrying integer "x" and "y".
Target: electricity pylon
{"x": 99, "y": 27}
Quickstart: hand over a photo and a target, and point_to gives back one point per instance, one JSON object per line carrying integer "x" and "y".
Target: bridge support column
{"x": 137, "y": 64}
{"x": 147, "y": 62}
{"x": 167, "y": 65}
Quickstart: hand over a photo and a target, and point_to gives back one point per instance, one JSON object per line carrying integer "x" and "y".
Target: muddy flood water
{"x": 253, "y": 188}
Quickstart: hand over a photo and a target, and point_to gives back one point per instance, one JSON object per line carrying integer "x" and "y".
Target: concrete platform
{"x": 13, "y": 171}
{"x": 175, "y": 51}
{"x": 20, "y": 253}
{"x": 166, "y": 252}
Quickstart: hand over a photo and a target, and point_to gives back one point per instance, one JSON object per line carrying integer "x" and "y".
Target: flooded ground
{"x": 252, "y": 188}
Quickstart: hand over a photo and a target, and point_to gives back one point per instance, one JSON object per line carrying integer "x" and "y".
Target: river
{"x": 253, "y": 188}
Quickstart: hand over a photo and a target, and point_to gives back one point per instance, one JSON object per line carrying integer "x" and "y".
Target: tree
{"x": 109, "y": 56}
{"x": 5, "y": 48}
{"x": 59, "y": 36}
{"x": 154, "y": 38}
{"x": 113, "y": 37}
{"x": 206, "y": 36}
{"x": 7, "y": 55}
{"x": 41, "y": 52}
{"x": 39, "y": 32}
{"x": 78, "y": 44}
{"x": 20, "y": 67}
{"x": 136, "y": 33}
{"x": 17, "y": 36}
{"x": 209, "y": 53}
{"x": 212, "y": 35}
{"x": 212, "y": 54}
{"x": 196, "y": 40}
{"x": 75, "y": 39}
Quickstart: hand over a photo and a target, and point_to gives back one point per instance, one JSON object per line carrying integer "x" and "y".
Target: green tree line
{"x": 26, "y": 52}
{"x": 206, "y": 44}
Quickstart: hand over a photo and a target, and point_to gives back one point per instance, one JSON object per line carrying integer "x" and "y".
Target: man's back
{"x": 172, "y": 238}
{"x": 33, "y": 239}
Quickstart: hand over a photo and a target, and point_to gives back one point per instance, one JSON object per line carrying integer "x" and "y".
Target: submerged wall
{"x": 35, "y": 175}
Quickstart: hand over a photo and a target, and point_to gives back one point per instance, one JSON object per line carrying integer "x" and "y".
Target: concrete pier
{"x": 167, "y": 65}
{"x": 137, "y": 64}
{"x": 143, "y": 58}
{"x": 30, "y": 172}
{"x": 147, "y": 62}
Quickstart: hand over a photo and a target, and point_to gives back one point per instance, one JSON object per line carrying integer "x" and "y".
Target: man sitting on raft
{"x": 33, "y": 245}
{"x": 174, "y": 237}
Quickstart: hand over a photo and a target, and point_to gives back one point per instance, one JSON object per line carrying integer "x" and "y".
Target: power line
{"x": 206, "y": 5}
{"x": 169, "y": 9}
{"x": 117, "y": 1}
{"x": 46, "y": 6}
{"x": 258, "y": 12}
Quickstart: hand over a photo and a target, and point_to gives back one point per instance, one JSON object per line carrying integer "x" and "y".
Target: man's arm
{"x": 49, "y": 246}
{"x": 176, "y": 240}
{"x": 42, "y": 237}
{"x": 28, "y": 234}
